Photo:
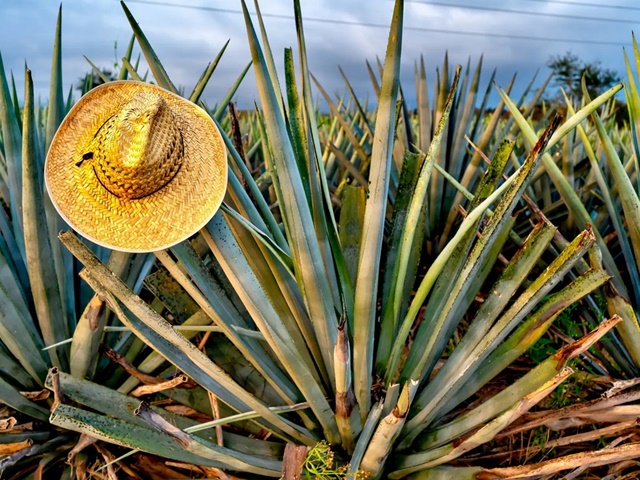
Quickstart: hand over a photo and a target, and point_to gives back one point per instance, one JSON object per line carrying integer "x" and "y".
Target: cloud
{"x": 187, "y": 39}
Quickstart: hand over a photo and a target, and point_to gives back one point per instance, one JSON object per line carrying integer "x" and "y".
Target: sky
{"x": 342, "y": 33}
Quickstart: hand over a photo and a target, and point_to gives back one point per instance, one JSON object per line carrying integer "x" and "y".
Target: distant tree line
{"x": 568, "y": 70}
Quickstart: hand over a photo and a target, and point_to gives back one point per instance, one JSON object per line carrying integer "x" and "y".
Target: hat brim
{"x": 157, "y": 221}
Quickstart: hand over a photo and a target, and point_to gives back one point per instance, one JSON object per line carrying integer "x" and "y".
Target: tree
{"x": 568, "y": 70}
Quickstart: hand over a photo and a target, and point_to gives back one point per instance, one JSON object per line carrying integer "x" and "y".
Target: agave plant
{"x": 340, "y": 308}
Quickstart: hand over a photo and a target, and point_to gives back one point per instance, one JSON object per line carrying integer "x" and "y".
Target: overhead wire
{"x": 485, "y": 8}
{"x": 386, "y": 26}
{"x": 586, "y": 4}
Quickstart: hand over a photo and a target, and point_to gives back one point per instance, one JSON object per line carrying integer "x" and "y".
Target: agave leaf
{"x": 298, "y": 220}
{"x": 633, "y": 97}
{"x": 153, "y": 61}
{"x": 86, "y": 338}
{"x": 500, "y": 402}
{"x": 368, "y": 428}
{"x": 288, "y": 349}
{"x": 374, "y": 215}
{"x": 262, "y": 237}
{"x": 233, "y": 362}
{"x": 463, "y": 123}
{"x": 297, "y": 132}
{"x": 530, "y": 331}
{"x": 154, "y": 360}
{"x": 97, "y": 71}
{"x": 505, "y": 287}
{"x": 412, "y": 168}
{"x": 321, "y": 202}
{"x": 510, "y": 128}
{"x": 268, "y": 57}
{"x": 361, "y": 110}
{"x": 404, "y": 131}
{"x": 101, "y": 399}
{"x": 155, "y": 331}
{"x": 626, "y": 192}
{"x": 39, "y": 256}
{"x": 274, "y": 274}
{"x": 477, "y": 126}
{"x": 259, "y": 212}
{"x": 444, "y": 102}
{"x": 569, "y": 196}
{"x": 350, "y": 230}
{"x": 147, "y": 439}
{"x": 12, "y": 157}
{"x": 219, "y": 308}
{"x": 350, "y": 167}
{"x": 206, "y": 75}
{"x": 122, "y": 75}
{"x": 4, "y": 186}
{"x": 12, "y": 267}
{"x": 122, "y": 407}
{"x": 140, "y": 268}
{"x": 284, "y": 293}
{"x": 437, "y": 267}
{"x": 10, "y": 396}
{"x": 90, "y": 327}
{"x": 629, "y": 329}
{"x": 433, "y": 333}
{"x": 16, "y": 102}
{"x": 584, "y": 112}
{"x": 612, "y": 209}
{"x": 17, "y": 329}
{"x": 131, "y": 70}
{"x": 521, "y": 340}
{"x": 62, "y": 260}
{"x": 344, "y": 123}
{"x": 69, "y": 101}
{"x": 437, "y": 456}
{"x": 15, "y": 437}
{"x": 374, "y": 80}
{"x": 457, "y": 255}
{"x": 13, "y": 370}
{"x": 473, "y": 168}
{"x": 536, "y": 99}
{"x": 406, "y": 255}
{"x": 219, "y": 113}
{"x": 387, "y": 432}
{"x": 347, "y": 410}
{"x": 333, "y": 136}
{"x": 424, "y": 109}
{"x": 55, "y": 110}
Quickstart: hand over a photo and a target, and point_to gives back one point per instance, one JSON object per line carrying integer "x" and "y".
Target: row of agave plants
{"x": 357, "y": 306}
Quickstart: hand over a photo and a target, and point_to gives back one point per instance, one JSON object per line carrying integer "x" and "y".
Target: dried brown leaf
{"x": 583, "y": 459}
{"x": 11, "y": 448}
{"x": 37, "y": 395}
{"x": 159, "y": 387}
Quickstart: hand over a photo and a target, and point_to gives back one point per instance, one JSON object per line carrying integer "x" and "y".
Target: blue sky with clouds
{"x": 186, "y": 39}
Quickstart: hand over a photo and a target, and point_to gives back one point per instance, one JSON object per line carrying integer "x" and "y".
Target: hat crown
{"x": 138, "y": 150}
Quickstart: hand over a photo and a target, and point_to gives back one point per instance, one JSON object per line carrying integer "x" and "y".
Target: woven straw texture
{"x": 136, "y": 168}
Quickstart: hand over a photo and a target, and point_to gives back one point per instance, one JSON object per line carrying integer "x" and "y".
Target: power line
{"x": 585, "y": 4}
{"x": 384, "y": 26}
{"x": 516, "y": 37}
{"x": 523, "y": 12}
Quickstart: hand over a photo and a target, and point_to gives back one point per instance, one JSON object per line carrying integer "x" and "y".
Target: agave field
{"x": 388, "y": 291}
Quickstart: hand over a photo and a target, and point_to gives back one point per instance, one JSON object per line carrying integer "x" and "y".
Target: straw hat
{"x": 136, "y": 168}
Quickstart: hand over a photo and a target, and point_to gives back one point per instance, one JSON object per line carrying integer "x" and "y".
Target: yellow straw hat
{"x": 136, "y": 168}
